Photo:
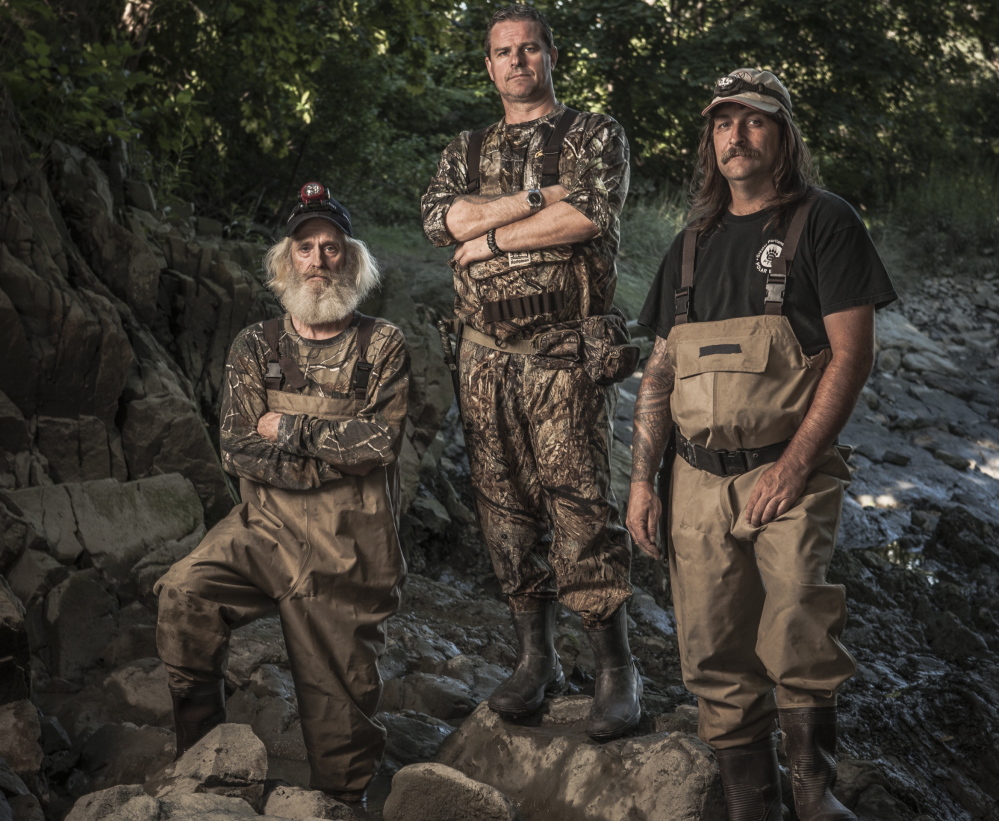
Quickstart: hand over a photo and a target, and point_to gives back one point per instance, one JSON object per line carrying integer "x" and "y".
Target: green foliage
{"x": 647, "y": 229}
{"x": 232, "y": 104}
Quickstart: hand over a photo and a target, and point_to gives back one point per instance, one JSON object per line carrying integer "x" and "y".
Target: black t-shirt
{"x": 836, "y": 267}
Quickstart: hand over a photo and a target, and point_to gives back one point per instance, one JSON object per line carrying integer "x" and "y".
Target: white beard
{"x": 332, "y": 302}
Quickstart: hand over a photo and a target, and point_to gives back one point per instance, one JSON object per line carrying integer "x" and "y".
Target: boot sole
{"x": 556, "y": 688}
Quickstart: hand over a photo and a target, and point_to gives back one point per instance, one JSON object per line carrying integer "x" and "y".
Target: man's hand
{"x": 474, "y": 250}
{"x": 775, "y": 492}
{"x": 644, "y": 512}
{"x": 267, "y": 425}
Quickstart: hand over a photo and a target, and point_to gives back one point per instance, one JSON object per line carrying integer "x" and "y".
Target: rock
{"x": 140, "y": 693}
{"x": 14, "y": 434}
{"x": 79, "y": 623}
{"x": 273, "y": 720}
{"x": 964, "y": 537}
{"x": 10, "y": 782}
{"x": 438, "y": 696}
{"x": 598, "y": 780}
{"x": 229, "y": 761}
{"x": 21, "y": 739}
{"x": 297, "y": 803}
{"x": 158, "y": 561}
{"x": 115, "y": 522}
{"x": 434, "y": 792}
{"x": 125, "y": 754}
{"x": 413, "y": 737}
{"x": 25, "y": 808}
{"x": 140, "y": 194}
{"x": 121, "y": 802}
{"x": 15, "y": 676}
{"x": 928, "y": 361}
{"x": 16, "y": 534}
{"x": 34, "y": 575}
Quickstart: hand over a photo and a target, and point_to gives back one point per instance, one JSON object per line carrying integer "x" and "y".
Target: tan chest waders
{"x": 754, "y": 611}
{"x": 329, "y": 561}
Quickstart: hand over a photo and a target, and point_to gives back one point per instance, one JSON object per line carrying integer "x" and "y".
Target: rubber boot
{"x": 538, "y": 670}
{"x": 197, "y": 709}
{"x": 616, "y": 708}
{"x": 751, "y": 780}
{"x": 810, "y": 746}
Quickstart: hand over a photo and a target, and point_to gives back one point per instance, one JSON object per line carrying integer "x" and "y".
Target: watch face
{"x": 534, "y": 198}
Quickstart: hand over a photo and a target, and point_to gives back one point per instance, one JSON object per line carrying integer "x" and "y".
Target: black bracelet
{"x": 491, "y": 242}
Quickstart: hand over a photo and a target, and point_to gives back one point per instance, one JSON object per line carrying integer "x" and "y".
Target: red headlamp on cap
{"x": 316, "y": 202}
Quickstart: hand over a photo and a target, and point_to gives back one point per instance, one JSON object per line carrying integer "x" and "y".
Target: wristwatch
{"x": 535, "y": 199}
{"x": 491, "y": 242}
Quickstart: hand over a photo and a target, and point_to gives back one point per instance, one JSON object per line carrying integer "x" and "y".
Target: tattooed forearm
{"x": 652, "y": 415}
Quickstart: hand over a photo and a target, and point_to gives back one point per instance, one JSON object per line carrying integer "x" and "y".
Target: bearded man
{"x": 313, "y": 412}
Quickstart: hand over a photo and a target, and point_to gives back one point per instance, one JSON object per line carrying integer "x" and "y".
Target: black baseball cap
{"x": 316, "y": 202}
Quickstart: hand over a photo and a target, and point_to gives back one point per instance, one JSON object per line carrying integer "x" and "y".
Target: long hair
{"x": 357, "y": 262}
{"x": 793, "y": 173}
{"x": 517, "y": 13}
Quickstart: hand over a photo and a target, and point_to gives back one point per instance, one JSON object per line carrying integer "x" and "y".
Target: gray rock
{"x": 125, "y": 754}
{"x": 26, "y": 808}
{"x": 140, "y": 194}
{"x": 253, "y": 645}
{"x": 16, "y": 534}
{"x": 140, "y": 693}
{"x": 14, "y": 434}
{"x": 15, "y": 654}
{"x": 148, "y": 570}
{"x": 34, "y": 574}
{"x": 434, "y": 792}
{"x": 121, "y": 803}
{"x": 6, "y": 813}
{"x": 299, "y": 804}
{"x": 598, "y": 780}
{"x": 274, "y": 721}
{"x": 79, "y": 623}
{"x": 413, "y": 737}
{"x": 438, "y": 696}
{"x": 230, "y": 761}
{"x": 21, "y": 739}
{"x": 10, "y": 782}
{"x": 206, "y": 807}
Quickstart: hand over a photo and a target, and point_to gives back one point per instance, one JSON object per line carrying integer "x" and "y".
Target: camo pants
{"x": 538, "y": 444}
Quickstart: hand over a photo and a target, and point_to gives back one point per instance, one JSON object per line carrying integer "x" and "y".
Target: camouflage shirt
{"x": 310, "y": 451}
{"x": 593, "y": 166}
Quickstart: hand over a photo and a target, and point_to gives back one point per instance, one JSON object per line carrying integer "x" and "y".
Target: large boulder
{"x": 79, "y": 623}
{"x": 21, "y": 739}
{"x": 658, "y": 777}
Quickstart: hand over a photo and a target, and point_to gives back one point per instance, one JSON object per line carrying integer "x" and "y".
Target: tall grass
{"x": 647, "y": 229}
{"x": 944, "y": 222}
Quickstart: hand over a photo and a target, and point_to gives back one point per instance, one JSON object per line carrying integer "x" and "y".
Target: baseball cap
{"x": 750, "y": 87}
{"x": 316, "y": 202}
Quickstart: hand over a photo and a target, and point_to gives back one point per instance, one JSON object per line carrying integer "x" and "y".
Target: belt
{"x": 727, "y": 462}
{"x": 518, "y": 346}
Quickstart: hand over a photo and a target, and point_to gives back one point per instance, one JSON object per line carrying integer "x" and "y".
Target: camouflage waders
{"x": 539, "y": 447}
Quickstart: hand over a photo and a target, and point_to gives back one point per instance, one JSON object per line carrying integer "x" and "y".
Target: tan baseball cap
{"x": 754, "y": 88}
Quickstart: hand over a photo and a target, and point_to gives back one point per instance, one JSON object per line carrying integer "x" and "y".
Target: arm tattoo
{"x": 652, "y": 415}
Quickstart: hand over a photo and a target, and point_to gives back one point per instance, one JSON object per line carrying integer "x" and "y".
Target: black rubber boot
{"x": 810, "y": 746}
{"x": 751, "y": 780}
{"x": 197, "y": 709}
{"x": 616, "y": 708}
{"x": 538, "y": 670}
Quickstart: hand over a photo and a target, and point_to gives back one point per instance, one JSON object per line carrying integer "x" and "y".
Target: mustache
{"x": 732, "y": 153}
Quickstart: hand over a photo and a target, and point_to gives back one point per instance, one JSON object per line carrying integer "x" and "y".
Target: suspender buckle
{"x": 273, "y": 370}
{"x": 775, "y": 288}
{"x": 681, "y": 300}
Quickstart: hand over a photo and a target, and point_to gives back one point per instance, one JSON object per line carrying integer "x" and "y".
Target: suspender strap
{"x": 519, "y": 307}
{"x": 777, "y": 279}
{"x": 552, "y": 152}
{"x": 684, "y": 294}
{"x": 474, "y": 153}
{"x": 278, "y": 366}
{"x": 362, "y": 370}
{"x": 553, "y": 148}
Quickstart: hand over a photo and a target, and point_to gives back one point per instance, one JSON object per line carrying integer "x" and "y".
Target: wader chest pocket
{"x": 747, "y": 354}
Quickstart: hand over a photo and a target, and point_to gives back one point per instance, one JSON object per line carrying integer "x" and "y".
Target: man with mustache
{"x": 312, "y": 417}
{"x": 532, "y": 206}
{"x": 763, "y": 311}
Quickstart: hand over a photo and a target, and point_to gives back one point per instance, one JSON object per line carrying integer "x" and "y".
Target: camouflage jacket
{"x": 310, "y": 451}
{"x": 593, "y": 166}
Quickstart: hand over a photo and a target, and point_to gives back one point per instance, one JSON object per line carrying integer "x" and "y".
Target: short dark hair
{"x": 516, "y": 13}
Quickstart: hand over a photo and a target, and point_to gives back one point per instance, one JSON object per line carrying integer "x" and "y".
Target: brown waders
{"x": 754, "y": 611}
{"x": 329, "y": 561}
